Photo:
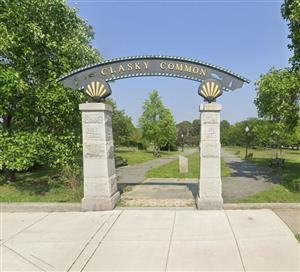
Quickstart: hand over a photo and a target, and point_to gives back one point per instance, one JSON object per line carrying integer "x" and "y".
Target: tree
{"x": 224, "y": 132}
{"x": 122, "y": 126}
{"x": 196, "y": 129}
{"x": 168, "y": 131}
{"x": 136, "y": 138}
{"x": 291, "y": 12}
{"x": 277, "y": 98}
{"x": 184, "y": 128}
{"x": 278, "y": 91}
{"x": 40, "y": 40}
{"x": 157, "y": 122}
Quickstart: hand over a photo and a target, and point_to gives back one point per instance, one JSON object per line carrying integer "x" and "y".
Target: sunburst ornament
{"x": 98, "y": 90}
{"x": 210, "y": 89}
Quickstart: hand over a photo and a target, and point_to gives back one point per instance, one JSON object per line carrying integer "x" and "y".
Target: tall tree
{"x": 291, "y": 12}
{"x": 121, "y": 125}
{"x": 168, "y": 131}
{"x": 277, "y": 100}
{"x": 40, "y": 40}
{"x": 278, "y": 91}
{"x": 224, "y": 132}
{"x": 184, "y": 133}
{"x": 196, "y": 129}
{"x": 157, "y": 122}
{"x": 278, "y": 96}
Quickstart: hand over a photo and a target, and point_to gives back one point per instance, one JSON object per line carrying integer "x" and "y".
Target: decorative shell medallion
{"x": 210, "y": 89}
{"x": 98, "y": 90}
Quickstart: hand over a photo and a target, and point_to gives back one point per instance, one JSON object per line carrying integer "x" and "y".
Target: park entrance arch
{"x": 100, "y": 181}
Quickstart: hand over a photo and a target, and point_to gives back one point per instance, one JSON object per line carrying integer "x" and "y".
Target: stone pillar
{"x": 210, "y": 186}
{"x": 100, "y": 181}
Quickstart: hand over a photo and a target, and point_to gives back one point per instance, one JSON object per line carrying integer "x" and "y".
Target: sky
{"x": 247, "y": 37}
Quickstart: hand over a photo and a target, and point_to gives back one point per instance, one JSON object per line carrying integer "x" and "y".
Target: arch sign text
{"x": 214, "y": 79}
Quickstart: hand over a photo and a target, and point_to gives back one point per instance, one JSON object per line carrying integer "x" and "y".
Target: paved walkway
{"x": 247, "y": 179}
{"x": 160, "y": 194}
{"x": 148, "y": 240}
{"x": 133, "y": 174}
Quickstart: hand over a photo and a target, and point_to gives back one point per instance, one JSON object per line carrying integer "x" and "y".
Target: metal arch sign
{"x": 140, "y": 66}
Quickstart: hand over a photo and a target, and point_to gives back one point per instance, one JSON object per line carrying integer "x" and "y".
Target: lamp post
{"x": 182, "y": 137}
{"x": 246, "y": 131}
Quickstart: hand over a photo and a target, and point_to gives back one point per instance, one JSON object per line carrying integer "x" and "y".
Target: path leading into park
{"x": 246, "y": 179}
{"x": 134, "y": 174}
{"x": 147, "y": 240}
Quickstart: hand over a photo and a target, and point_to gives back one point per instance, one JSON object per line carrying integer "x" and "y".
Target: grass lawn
{"x": 170, "y": 170}
{"x": 289, "y": 189}
{"x": 134, "y": 156}
{"x": 39, "y": 185}
{"x": 44, "y": 185}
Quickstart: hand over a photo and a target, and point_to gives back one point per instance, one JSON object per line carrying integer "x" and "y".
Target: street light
{"x": 246, "y": 130}
{"x": 182, "y": 136}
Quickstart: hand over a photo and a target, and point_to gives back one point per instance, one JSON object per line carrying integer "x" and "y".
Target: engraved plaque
{"x": 94, "y": 150}
{"x": 92, "y": 118}
{"x": 210, "y": 118}
{"x": 210, "y": 150}
{"x": 210, "y": 132}
{"x": 92, "y": 131}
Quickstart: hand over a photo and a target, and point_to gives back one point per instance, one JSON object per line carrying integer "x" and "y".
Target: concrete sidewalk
{"x": 148, "y": 240}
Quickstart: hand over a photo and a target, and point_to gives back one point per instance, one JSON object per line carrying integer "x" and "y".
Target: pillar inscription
{"x": 100, "y": 182}
{"x": 210, "y": 186}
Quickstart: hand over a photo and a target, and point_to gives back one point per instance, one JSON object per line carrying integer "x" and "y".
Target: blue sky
{"x": 247, "y": 37}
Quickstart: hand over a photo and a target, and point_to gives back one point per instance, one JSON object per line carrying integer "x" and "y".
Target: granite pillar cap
{"x": 210, "y": 107}
{"x": 95, "y": 107}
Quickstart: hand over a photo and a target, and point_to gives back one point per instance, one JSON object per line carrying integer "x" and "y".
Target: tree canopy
{"x": 157, "y": 122}
{"x": 291, "y": 12}
{"x": 40, "y": 40}
{"x": 278, "y": 96}
{"x": 121, "y": 125}
{"x": 278, "y": 91}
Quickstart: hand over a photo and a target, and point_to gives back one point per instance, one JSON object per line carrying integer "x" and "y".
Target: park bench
{"x": 156, "y": 153}
{"x": 119, "y": 161}
{"x": 277, "y": 162}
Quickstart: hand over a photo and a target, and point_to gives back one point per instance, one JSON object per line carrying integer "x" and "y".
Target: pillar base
{"x": 210, "y": 203}
{"x": 99, "y": 203}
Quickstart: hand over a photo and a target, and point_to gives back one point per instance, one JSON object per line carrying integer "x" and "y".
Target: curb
{"x": 39, "y": 207}
{"x": 76, "y": 207}
{"x": 246, "y": 206}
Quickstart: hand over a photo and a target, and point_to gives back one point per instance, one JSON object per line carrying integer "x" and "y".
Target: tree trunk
{"x": 9, "y": 175}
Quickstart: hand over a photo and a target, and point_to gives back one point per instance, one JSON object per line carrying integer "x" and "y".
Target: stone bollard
{"x": 100, "y": 181}
{"x": 183, "y": 164}
{"x": 210, "y": 186}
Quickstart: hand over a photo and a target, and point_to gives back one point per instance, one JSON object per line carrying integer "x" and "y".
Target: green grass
{"x": 297, "y": 236}
{"x": 135, "y": 156}
{"x": 289, "y": 189}
{"x": 40, "y": 185}
{"x": 276, "y": 194}
{"x": 170, "y": 170}
{"x": 45, "y": 185}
